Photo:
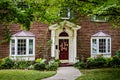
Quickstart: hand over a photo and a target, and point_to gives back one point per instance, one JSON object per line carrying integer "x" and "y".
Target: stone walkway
{"x": 65, "y": 73}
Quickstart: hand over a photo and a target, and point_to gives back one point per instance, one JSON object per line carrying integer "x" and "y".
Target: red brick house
{"x": 70, "y": 40}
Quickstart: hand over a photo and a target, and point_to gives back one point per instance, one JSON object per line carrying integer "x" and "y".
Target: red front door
{"x": 64, "y": 49}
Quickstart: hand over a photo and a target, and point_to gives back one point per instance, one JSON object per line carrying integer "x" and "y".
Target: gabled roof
{"x": 63, "y": 24}
{"x": 23, "y": 34}
{"x": 101, "y": 34}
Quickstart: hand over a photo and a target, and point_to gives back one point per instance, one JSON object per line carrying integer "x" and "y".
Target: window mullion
{"x": 91, "y": 46}
{"x": 27, "y": 46}
{"x": 16, "y": 47}
{"x": 106, "y": 45}
{"x": 110, "y": 45}
{"x": 34, "y": 46}
{"x": 10, "y": 47}
{"x": 97, "y": 45}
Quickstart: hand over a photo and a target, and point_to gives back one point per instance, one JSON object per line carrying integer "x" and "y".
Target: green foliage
{"x": 40, "y": 60}
{"x": 108, "y": 62}
{"x": 40, "y": 64}
{"x": 115, "y": 61}
{"x": 53, "y": 65}
{"x": 118, "y": 53}
{"x": 6, "y": 63}
{"x": 57, "y": 60}
{"x": 23, "y": 64}
{"x": 80, "y": 65}
{"x": 6, "y": 36}
{"x": 27, "y": 11}
{"x": 96, "y": 62}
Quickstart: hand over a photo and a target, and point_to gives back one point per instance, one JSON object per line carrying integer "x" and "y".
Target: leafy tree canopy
{"x": 27, "y": 11}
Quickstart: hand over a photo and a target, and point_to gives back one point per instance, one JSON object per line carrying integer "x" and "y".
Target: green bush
{"x": 6, "y": 63}
{"x": 80, "y": 65}
{"x": 22, "y": 64}
{"x": 53, "y": 65}
{"x": 57, "y": 60}
{"x": 118, "y": 53}
{"x": 108, "y": 62}
{"x": 96, "y": 62}
{"x": 40, "y": 64}
{"x": 115, "y": 62}
{"x": 40, "y": 60}
{"x": 31, "y": 67}
{"x": 90, "y": 63}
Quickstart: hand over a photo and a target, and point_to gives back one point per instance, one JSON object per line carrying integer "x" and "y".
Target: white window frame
{"x": 66, "y": 17}
{"x": 94, "y": 19}
{"x": 106, "y": 54}
{"x": 27, "y": 56}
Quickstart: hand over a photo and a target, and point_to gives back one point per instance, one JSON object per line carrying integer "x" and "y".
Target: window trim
{"x": 94, "y": 19}
{"x": 27, "y": 46}
{"x": 68, "y": 15}
{"x": 97, "y": 42}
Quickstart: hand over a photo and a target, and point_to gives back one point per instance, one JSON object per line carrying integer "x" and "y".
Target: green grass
{"x": 24, "y": 74}
{"x": 100, "y": 74}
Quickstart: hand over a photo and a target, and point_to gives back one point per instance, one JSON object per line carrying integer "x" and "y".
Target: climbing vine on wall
{"x": 6, "y": 35}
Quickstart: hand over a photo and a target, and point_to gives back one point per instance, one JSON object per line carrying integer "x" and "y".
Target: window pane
{"x": 21, "y": 46}
{"x": 108, "y": 45}
{"x": 94, "y": 46}
{"x": 30, "y": 46}
{"x": 12, "y": 46}
{"x": 97, "y": 18}
{"x": 102, "y": 45}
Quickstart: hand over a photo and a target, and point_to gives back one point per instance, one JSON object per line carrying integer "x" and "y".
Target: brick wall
{"x": 88, "y": 29}
{"x": 83, "y": 42}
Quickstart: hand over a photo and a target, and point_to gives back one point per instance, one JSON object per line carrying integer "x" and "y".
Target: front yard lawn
{"x": 100, "y": 74}
{"x": 24, "y": 74}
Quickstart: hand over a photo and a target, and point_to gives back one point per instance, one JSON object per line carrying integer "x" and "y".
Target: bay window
{"x": 22, "y": 47}
{"x": 100, "y": 45}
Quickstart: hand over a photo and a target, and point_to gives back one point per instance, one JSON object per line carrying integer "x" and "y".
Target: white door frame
{"x": 71, "y": 29}
{"x": 64, "y": 61}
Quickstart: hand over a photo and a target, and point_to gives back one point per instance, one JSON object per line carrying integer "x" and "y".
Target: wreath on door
{"x": 64, "y": 46}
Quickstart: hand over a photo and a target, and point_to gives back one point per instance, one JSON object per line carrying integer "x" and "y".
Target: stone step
{"x": 65, "y": 64}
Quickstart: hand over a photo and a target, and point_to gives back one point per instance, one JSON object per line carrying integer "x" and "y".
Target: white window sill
{"x": 22, "y": 55}
{"x": 103, "y": 54}
{"x": 98, "y": 20}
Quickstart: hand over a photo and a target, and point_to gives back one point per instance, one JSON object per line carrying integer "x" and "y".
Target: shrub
{"x": 118, "y": 53}
{"x": 108, "y": 62}
{"x": 80, "y": 65}
{"x": 115, "y": 62}
{"x": 40, "y": 60}
{"x": 96, "y": 62}
{"x": 40, "y": 64}
{"x": 53, "y": 65}
{"x": 57, "y": 60}
{"x": 31, "y": 67}
{"x": 90, "y": 63}
{"x": 6, "y": 63}
{"x": 22, "y": 64}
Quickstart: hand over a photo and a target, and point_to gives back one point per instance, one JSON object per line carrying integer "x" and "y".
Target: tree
{"x": 111, "y": 10}
{"x": 27, "y": 11}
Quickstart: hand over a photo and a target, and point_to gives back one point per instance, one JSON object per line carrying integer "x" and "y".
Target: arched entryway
{"x": 64, "y": 41}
